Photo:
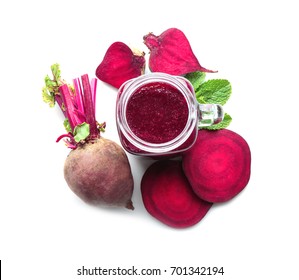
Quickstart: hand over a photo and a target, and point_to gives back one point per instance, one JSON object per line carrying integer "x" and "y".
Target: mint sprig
{"x": 216, "y": 91}
{"x": 196, "y": 78}
{"x": 223, "y": 124}
{"x": 213, "y": 91}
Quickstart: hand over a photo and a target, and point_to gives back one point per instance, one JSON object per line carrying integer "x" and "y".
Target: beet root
{"x": 171, "y": 53}
{"x": 168, "y": 196}
{"x": 218, "y": 165}
{"x": 99, "y": 173}
{"x": 120, "y": 64}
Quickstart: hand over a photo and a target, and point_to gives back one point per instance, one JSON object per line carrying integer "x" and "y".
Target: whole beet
{"x": 97, "y": 169}
{"x": 99, "y": 173}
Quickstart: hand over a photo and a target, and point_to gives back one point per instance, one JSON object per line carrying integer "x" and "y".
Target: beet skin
{"x": 218, "y": 165}
{"x": 99, "y": 173}
{"x": 168, "y": 196}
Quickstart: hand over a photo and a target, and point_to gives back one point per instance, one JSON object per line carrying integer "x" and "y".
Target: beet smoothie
{"x": 157, "y": 112}
{"x": 157, "y": 115}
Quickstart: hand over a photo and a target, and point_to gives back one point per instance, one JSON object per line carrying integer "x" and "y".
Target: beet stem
{"x": 151, "y": 41}
{"x": 94, "y": 91}
{"x": 69, "y": 105}
{"x": 89, "y": 107}
{"x": 78, "y": 94}
{"x": 59, "y": 101}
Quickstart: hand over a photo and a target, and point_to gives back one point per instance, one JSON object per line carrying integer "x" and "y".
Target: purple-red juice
{"x": 157, "y": 112}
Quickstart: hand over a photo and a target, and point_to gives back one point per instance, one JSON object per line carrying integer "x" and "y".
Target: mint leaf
{"x": 223, "y": 124}
{"x": 196, "y": 78}
{"x": 215, "y": 91}
{"x": 81, "y": 132}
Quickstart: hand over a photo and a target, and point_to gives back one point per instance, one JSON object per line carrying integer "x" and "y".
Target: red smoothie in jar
{"x": 157, "y": 112}
{"x": 157, "y": 115}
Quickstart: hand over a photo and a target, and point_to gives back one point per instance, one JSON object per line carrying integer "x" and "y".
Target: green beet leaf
{"x": 81, "y": 132}
{"x": 55, "y": 68}
{"x": 48, "y": 97}
{"x": 51, "y": 85}
{"x": 67, "y": 125}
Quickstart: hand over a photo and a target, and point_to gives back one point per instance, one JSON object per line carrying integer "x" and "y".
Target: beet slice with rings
{"x": 168, "y": 196}
{"x": 218, "y": 165}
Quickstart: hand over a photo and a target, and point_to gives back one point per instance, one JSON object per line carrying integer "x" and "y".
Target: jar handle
{"x": 210, "y": 114}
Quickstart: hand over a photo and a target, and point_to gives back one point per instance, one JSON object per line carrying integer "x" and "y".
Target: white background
{"x": 46, "y": 232}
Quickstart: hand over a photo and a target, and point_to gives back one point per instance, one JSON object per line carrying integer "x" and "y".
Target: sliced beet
{"x": 218, "y": 165}
{"x": 168, "y": 196}
{"x": 171, "y": 53}
{"x": 120, "y": 64}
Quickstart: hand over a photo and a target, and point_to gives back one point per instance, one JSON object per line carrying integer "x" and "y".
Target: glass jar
{"x": 158, "y": 115}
